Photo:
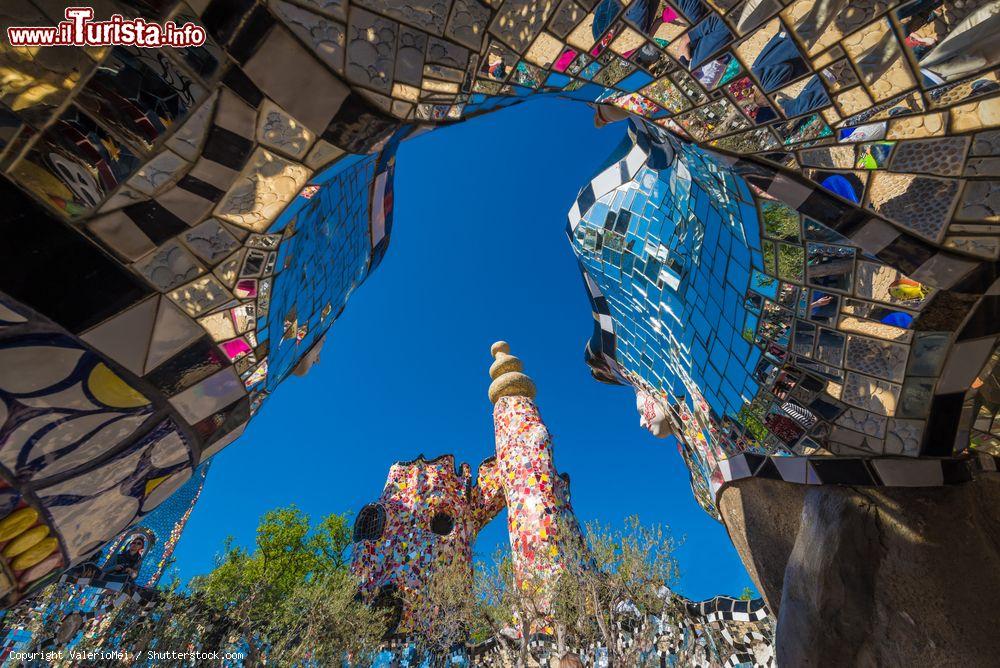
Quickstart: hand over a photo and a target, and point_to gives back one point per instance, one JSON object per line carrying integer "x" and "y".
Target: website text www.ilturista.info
{"x": 79, "y": 29}
{"x": 115, "y": 655}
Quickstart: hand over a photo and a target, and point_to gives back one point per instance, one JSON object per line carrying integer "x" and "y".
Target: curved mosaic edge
{"x": 728, "y": 608}
{"x": 941, "y": 429}
{"x": 861, "y": 471}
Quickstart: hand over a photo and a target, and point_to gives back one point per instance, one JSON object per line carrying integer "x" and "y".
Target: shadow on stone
{"x": 874, "y": 576}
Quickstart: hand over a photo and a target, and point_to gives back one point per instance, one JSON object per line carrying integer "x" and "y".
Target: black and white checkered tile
{"x": 614, "y": 176}
{"x": 860, "y": 471}
{"x": 724, "y": 608}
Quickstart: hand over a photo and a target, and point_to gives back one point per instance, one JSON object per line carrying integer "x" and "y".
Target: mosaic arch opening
{"x": 793, "y": 257}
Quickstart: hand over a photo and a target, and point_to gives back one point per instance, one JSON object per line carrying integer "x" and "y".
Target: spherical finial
{"x": 508, "y": 381}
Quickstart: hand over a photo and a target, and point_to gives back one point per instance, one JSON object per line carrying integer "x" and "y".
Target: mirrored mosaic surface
{"x": 749, "y": 328}
{"x": 210, "y": 222}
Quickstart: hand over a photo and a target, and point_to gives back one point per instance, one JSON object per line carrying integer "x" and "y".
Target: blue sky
{"x": 478, "y": 254}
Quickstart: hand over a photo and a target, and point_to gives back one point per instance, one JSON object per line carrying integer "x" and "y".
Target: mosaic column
{"x": 545, "y": 537}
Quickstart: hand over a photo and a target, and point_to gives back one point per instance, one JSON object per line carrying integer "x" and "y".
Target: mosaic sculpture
{"x": 96, "y": 603}
{"x": 545, "y": 537}
{"x": 429, "y": 514}
{"x": 209, "y": 222}
{"x": 425, "y": 522}
{"x": 751, "y": 327}
{"x": 162, "y": 529}
{"x": 776, "y": 350}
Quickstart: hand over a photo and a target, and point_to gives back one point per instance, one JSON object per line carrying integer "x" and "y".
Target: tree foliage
{"x": 292, "y": 594}
{"x": 290, "y": 599}
{"x": 616, "y": 598}
{"x": 613, "y": 597}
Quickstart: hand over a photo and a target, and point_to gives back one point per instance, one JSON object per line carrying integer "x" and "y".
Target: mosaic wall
{"x": 161, "y": 530}
{"x": 749, "y": 327}
{"x": 720, "y": 632}
{"x": 211, "y": 220}
{"x": 62, "y": 407}
{"x": 81, "y": 614}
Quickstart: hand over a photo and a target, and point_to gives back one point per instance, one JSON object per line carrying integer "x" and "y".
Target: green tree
{"x": 322, "y": 621}
{"x": 292, "y": 591}
{"x": 504, "y": 611}
{"x": 253, "y": 584}
{"x": 624, "y": 586}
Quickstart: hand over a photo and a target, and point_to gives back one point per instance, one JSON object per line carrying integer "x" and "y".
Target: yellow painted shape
{"x": 26, "y": 540}
{"x": 16, "y": 522}
{"x": 35, "y": 554}
{"x": 112, "y": 391}
{"x": 153, "y": 483}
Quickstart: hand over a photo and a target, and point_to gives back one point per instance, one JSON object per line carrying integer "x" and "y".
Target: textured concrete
{"x": 875, "y": 576}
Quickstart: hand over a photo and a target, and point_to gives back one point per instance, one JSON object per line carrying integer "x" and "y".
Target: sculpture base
{"x": 871, "y": 576}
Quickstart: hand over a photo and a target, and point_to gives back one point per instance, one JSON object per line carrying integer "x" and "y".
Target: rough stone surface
{"x": 876, "y": 576}
{"x": 762, "y": 517}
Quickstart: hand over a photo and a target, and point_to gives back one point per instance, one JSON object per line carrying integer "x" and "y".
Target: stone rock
{"x": 762, "y": 517}
{"x": 875, "y": 576}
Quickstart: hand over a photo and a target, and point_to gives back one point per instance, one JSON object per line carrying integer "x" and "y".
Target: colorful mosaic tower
{"x": 429, "y": 513}
{"x": 425, "y": 521}
{"x": 545, "y": 538}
